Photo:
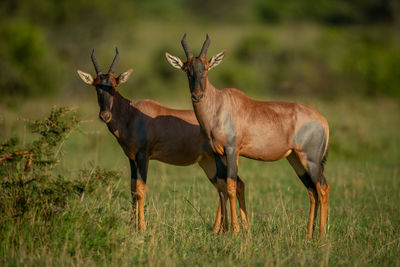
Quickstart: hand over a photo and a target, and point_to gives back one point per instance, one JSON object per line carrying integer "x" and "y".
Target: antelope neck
{"x": 119, "y": 112}
{"x": 205, "y": 108}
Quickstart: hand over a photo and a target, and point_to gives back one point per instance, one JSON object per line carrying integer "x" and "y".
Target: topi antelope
{"x": 237, "y": 125}
{"x": 147, "y": 130}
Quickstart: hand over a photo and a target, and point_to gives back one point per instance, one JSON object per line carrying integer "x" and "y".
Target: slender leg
{"x": 313, "y": 211}
{"x": 216, "y": 171}
{"x": 321, "y": 188}
{"x": 135, "y": 210}
{"x": 223, "y": 196}
{"x": 242, "y": 203}
{"x": 141, "y": 191}
{"x": 224, "y": 217}
{"x": 221, "y": 222}
{"x": 323, "y": 194}
{"x": 221, "y": 213}
{"x": 231, "y": 188}
{"x": 308, "y": 161}
{"x": 301, "y": 171}
{"x": 210, "y": 166}
{"x": 142, "y": 165}
{"x": 220, "y": 175}
{"x": 218, "y": 219}
{"x": 231, "y": 184}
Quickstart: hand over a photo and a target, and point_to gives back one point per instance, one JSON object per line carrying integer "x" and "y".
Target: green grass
{"x": 94, "y": 229}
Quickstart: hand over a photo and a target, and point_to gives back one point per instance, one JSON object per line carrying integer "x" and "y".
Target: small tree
{"x": 26, "y": 176}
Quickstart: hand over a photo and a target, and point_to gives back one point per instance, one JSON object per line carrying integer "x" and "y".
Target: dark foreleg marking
{"x": 231, "y": 158}
{"x": 135, "y": 210}
{"x": 301, "y": 171}
{"x": 142, "y": 166}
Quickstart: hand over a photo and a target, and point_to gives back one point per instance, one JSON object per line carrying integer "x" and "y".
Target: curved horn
{"x": 185, "y": 46}
{"x": 95, "y": 63}
{"x": 206, "y": 44}
{"x": 116, "y": 58}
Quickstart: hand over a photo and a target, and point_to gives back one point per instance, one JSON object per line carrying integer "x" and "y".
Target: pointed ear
{"x": 86, "y": 77}
{"x": 123, "y": 77}
{"x": 176, "y": 62}
{"x": 215, "y": 60}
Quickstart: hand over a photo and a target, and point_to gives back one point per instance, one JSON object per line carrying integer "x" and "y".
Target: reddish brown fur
{"x": 264, "y": 130}
{"x": 149, "y": 130}
{"x": 172, "y": 136}
{"x": 237, "y": 125}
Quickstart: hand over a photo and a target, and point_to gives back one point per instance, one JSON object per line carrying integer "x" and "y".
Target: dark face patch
{"x": 197, "y": 74}
{"x": 105, "y": 92}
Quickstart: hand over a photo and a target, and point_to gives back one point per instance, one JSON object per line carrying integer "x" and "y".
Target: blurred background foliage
{"x": 340, "y": 56}
{"x": 326, "y": 48}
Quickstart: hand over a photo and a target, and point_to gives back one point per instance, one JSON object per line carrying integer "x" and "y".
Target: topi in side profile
{"x": 237, "y": 125}
{"x": 147, "y": 130}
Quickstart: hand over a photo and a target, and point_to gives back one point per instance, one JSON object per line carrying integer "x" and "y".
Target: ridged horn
{"x": 206, "y": 44}
{"x": 185, "y": 46}
{"x": 115, "y": 61}
{"x": 95, "y": 63}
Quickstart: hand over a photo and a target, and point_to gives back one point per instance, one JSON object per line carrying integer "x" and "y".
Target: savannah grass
{"x": 92, "y": 226}
{"x": 88, "y": 222}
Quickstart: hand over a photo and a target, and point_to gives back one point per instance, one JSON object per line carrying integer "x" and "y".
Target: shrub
{"x": 25, "y": 62}
{"x": 29, "y": 186}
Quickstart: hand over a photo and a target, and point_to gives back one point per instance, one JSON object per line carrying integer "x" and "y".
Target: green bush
{"x": 330, "y": 62}
{"x": 26, "y": 174}
{"x": 325, "y": 11}
{"x": 40, "y": 208}
{"x": 373, "y": 67}
{"x": 27, "y": 68}
{"x": 29, "y": 186}
{"x": 366, "y": 62}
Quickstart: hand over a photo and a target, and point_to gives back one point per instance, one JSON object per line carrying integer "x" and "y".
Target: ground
{"x": 180, "y": 207}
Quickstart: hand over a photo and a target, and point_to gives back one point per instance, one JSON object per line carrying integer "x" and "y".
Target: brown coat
{"x": 238, "y": 125}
